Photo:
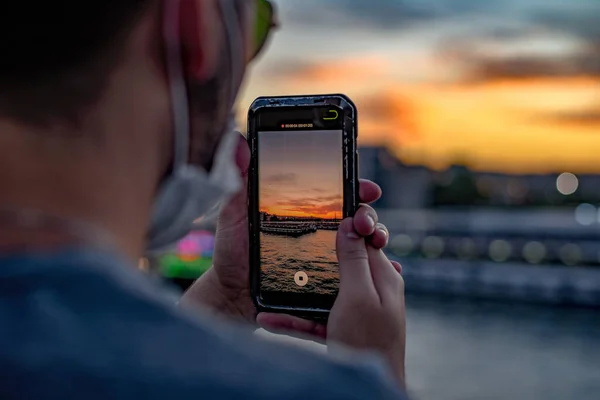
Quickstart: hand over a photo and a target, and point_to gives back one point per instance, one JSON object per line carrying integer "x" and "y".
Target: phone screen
{"x": 301, "y": 204}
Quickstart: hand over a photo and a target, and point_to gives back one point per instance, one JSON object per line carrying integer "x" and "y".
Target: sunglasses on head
{"x": 264, "y": 23}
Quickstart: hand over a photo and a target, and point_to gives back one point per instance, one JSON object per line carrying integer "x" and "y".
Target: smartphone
{"x": 303, "y": 181}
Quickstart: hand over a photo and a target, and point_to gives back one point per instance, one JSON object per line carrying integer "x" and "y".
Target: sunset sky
{"x": 300, "y": 173}
{"x": 498, "y": 85}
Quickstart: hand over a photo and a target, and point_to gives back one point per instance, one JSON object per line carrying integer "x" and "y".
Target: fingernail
{"x": 384, "y": 232}
{"x": 371, "y": 221}
{"x": 397, "y": 266}
{"x": 352, "y": 235}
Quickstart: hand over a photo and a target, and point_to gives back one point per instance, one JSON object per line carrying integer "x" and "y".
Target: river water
{"x": 313, "y": 253}
{"x": 459, "y": 349}
{"x": 469, "y": 350}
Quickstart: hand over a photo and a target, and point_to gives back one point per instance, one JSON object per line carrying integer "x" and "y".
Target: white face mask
{"x": 189, "y": 192}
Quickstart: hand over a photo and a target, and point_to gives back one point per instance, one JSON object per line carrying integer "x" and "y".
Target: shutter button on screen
{"x": 301, "y": 278}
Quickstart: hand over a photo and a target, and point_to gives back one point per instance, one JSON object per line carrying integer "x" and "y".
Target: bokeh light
{"x": 570, "y": 254}
{"x": 143, "y": 264}
{"x": 585, "y": 214}
{"x": 195, "y": 246}
{"x": 500, "y": 250}
{"x": 432, "y": 247}
{"x": 534, "y": 252}
{"x": 567, "y": 183}
{"x": 402, "y": 245}
{"x": 467, "y": 249}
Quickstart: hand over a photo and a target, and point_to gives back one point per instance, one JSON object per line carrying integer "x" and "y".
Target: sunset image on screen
{"x": 301, "y": 204}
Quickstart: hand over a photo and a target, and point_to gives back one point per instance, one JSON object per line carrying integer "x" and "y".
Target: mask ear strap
{"x": 181, "y": 17}
{"x": 236, "y": 51}
{"x": 177, "y": 86}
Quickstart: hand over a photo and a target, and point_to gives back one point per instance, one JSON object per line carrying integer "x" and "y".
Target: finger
{"x": 397, "y": 265}
{"x": 242, "y": 155}
{"x": 388, "y": 282}
{"x": 368, "y": 191}
{"x": 380, "y": 237}
{"x": 235, "y": 211}
{"x": 287, "y": 323}
{"x": 231, "y": 242}
{"x": 355, "y": 276}
{"x": 365, "y": 220}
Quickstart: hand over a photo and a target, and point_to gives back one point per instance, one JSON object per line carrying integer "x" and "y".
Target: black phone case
{"x": 350, "y": 185}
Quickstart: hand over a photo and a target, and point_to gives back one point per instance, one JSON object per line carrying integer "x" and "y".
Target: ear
{"x": 201, "y": 37}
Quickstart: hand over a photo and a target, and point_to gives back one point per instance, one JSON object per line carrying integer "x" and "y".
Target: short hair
{"x": 56, "y": 56}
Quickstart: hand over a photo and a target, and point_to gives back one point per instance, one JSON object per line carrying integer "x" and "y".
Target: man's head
{"x": 87, "y": 102}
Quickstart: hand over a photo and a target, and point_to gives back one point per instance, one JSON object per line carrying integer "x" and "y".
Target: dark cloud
{"x": 281, "y": 178}
{"x": 482, "y": 65}
{"x": 524, "y": 67}
{"x": 579, "y": 17}
{"x": 583, "y": 22}
{"x": 398, "y": 111}
{"x": 582, "y": 117}
{"x": 377, "y": 14}
{"x": 469, "y": 23}
{"x": 310, "y": 201}
{"x": 335, "y": 197}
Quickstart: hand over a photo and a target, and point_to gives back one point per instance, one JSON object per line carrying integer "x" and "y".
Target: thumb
{"x": 353, "y": 258}
{"x": 234, "y": 212}
{"x": 278, "y": 323}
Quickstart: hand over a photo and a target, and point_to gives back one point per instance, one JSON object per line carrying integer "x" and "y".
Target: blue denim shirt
{"x": 83, "y": 324}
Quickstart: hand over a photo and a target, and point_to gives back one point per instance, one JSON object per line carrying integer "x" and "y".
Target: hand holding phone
{"x": 303, "y": 176}
{"x": 369, "y": 312}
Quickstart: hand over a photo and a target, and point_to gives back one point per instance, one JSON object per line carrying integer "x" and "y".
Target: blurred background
{"x": 481, "y": 122}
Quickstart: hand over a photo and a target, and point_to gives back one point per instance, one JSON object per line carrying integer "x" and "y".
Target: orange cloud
{"x": 354, "y": 69}
{"x": 511, "y": 124}
{"x": 388, "y": 118}
{"x": 500, "y": 125}
{"x": 330, "y": 206}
